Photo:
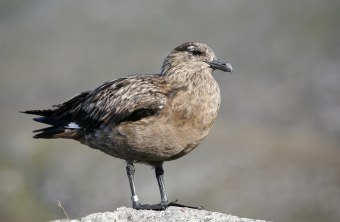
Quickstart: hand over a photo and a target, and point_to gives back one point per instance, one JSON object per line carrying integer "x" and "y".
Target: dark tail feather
{"x": 49, "y": 132}
{"x": 60, "y": 119}
{"x": 51, "y": 121}
{"x": 46, "y": 112}
{"x": 58, "y": 128}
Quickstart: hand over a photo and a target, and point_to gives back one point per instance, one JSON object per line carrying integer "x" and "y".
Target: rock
{"x": 124, "y": 214}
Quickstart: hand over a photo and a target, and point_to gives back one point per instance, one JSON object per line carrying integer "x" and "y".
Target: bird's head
{"x": 195, "y": 56}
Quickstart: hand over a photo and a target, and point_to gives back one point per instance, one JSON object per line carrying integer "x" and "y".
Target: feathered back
{"x": 124, "y": 99}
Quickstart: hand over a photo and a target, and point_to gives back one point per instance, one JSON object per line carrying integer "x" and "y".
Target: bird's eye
{"x": 196, "y": 52}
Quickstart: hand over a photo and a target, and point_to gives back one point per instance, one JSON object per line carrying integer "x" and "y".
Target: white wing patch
{"x": 72, "y": 126}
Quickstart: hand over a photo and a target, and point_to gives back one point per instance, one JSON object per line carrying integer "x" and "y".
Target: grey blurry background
{"x": 273, "y": 153}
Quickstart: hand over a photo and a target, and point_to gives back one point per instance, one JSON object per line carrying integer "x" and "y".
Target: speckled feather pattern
{"x": 145, "y": 118}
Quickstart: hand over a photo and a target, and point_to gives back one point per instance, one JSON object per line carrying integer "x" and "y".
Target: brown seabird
{"x": 144, "y": 118}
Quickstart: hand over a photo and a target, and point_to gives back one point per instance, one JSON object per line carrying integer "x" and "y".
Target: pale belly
{"x": 150, "y": 140}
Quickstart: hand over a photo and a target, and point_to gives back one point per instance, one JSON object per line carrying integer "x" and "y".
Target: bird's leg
{"x": 130, "y": 170}
{"x": 159, "y": 176}
{"x": 164, "y": 200}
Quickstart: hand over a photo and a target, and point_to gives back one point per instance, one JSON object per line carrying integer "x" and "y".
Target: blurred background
{"x": 273, "y": 153}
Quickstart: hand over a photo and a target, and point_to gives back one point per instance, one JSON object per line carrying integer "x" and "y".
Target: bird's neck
{"x": 194, "y": 79}
{"x": 200, "y": 98}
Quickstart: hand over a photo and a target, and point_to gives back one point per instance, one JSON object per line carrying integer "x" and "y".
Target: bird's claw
{"x": 159, "y": 206}
{"x": 162, "y": 206}
{"x": 175, "y": 204}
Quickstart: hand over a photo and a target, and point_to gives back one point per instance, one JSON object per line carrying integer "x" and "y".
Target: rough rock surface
{"x": 124, "y": 214}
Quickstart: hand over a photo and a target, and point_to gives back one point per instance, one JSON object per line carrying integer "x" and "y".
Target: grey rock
{"x": 124, "y": 214}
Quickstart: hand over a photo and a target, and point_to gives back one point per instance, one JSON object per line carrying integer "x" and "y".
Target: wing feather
{"x": 124, "y": 99}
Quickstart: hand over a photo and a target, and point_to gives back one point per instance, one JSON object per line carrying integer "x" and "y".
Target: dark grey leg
{"x": 159, "y": 176}
{"x": 130, "y": 170}
{"x": 164, "y": 200}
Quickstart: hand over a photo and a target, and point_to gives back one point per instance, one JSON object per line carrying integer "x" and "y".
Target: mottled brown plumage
{"x": 145, "y": 118}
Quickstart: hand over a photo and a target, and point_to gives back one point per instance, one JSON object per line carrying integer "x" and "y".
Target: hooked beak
{"x": 220, "y": 65}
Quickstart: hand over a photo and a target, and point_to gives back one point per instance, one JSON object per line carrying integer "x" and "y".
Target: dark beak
{"x": 220, "y": 65}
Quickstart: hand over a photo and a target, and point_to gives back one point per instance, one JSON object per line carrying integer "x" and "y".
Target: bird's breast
{"x": 197, "y": 106}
